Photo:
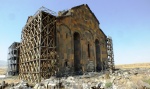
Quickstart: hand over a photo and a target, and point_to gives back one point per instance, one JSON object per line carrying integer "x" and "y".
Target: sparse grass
{"x": 13, "y": 79}
{"x": 147, "y": 81}
{"x": 107, "y": 76}
{"x": 109, "y": 84}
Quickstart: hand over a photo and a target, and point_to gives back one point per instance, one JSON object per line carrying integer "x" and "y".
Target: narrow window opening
{"x": 66, "y": 63}
{"x": 15, "y": 51}
{"x": 66, "y": 35}
{"x": 88, "y": 50}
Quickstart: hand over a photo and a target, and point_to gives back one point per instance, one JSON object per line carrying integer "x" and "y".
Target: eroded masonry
{"x": 67, "y": 44}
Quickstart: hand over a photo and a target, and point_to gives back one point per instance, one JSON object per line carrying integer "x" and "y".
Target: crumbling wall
{"x": 110, "y": 52}
{"x": 13, "y": 59}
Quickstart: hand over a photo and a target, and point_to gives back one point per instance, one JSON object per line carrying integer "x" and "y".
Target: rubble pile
{"x": 120, "y": 79}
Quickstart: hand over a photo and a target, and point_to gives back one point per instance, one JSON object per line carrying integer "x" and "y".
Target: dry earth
{"x": 9, "y": 80}
{"x": 129, "y": 76}
{"x": 137, "y": 65}
{"x": 2, "y": 70}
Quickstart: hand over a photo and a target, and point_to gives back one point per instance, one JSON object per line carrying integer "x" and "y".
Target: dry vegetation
{"x": 13, "y": 79}
{"x": 2, "y": 70}
{"x": 134, "y": 78}
{"x": 137, "y": 65}
{"x": 10, "y": 80}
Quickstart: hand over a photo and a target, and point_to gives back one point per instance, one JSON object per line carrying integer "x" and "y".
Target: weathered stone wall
{"x": 82, "y": 21}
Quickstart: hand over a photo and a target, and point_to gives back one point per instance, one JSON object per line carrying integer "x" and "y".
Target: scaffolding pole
{"x": 38, "y": 48}
{"x": 110, "y": 52}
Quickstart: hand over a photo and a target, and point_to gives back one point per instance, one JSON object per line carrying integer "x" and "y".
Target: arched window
{"x": 98, "y": 60}
{"x": 77, "y": 52}
{"x": 66, "y": 63}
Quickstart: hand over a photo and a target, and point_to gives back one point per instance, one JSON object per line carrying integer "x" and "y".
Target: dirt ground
{"x": 137, "y": 65}
{"x": 9, "y": 80}
{"x": 131, "y": 78}
{"x": 2, "y": 70}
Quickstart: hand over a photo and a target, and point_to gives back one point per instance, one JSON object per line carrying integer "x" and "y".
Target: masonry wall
{"x": 80, "y": 21}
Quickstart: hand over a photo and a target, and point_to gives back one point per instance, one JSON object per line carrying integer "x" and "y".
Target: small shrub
{"x": 109, "y": 84}
{"x": 107, "y": 75}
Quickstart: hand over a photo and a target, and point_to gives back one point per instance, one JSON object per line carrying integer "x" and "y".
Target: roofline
{"x": 89, "y": 10}
{"x": 13, "y": 44}
{"x": 102, "y": 32}
{"x": 93, "y": 14}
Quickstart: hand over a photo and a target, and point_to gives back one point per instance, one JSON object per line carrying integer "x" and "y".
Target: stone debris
{"x": 22, "y": 85}
{"x": 143, "y": 85}
{"x": 120, "y": 79}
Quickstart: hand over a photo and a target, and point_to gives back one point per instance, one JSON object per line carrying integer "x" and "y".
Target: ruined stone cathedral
{"x": 70, "y": 43}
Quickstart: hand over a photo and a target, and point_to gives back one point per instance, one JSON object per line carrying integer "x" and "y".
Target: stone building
{"x": 70, "y": 43}
{"x": 13, "y": 59}
{"x": 80, "y": 41}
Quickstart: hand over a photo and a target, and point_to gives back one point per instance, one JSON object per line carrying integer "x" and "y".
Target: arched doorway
{"x": 98, "y": 61}
{"x": 77, "y": 52}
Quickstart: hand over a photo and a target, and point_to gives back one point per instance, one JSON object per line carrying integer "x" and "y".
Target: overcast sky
{"x": 126, "y": 21}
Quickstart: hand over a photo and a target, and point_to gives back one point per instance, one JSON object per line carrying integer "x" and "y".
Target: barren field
{"x": 128, "y": 76}
{"x": 137, "y": 65}
{"x": 2, "y": 70}
{"x": 9, "y": 80}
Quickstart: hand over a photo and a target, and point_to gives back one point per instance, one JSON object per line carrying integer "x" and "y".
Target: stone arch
{"x": 91, "y": 32}
{"x": 65, "y": 39}
{"x": 98, "y": 55}
{"x": 96, "y": 36}
{"x": 77, "y": 31}
{"x": 88, "y": 39}
{"x": 77, "y": 52}
{"x": 65, "y": 28}
{"x": 88, "y": 35}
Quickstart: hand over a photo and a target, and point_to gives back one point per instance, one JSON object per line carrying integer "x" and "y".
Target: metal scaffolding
{"x": 38, "y": 47}
{"x": 110, "y": 54}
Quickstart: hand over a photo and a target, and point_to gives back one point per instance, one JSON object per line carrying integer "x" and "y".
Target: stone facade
{"x": 70, "y": 43}
{"x": 80, "y": 41}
